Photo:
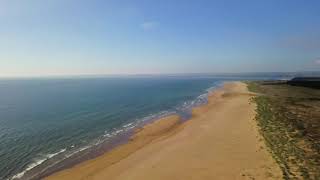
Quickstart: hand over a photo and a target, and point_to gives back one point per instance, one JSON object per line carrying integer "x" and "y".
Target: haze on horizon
{"x": 56, "y": 37}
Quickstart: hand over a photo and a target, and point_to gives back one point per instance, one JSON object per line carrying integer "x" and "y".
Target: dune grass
{"x": 289, "y": 120}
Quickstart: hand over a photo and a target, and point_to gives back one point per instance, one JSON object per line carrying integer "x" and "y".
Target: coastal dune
{"x": 220, "y": 141}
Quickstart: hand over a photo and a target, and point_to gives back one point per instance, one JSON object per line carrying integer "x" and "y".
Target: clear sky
{"x": 68, "y": 37}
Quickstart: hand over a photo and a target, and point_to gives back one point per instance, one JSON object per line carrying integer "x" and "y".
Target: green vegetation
{"x": 289, "y": 120}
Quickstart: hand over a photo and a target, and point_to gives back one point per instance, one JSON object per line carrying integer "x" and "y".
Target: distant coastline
{"x": 285, "y": 75}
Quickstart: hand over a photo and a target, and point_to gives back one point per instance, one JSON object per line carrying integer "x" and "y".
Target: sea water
{"x": 44, "y": 121}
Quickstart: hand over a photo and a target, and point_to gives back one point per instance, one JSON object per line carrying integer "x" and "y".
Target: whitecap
{"x": 36, "y": 163}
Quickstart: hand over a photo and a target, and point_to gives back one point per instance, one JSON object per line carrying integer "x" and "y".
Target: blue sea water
{"x": 44, "y": 121}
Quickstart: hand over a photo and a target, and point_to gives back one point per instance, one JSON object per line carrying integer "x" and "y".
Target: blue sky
{"x": 68, "y": 37}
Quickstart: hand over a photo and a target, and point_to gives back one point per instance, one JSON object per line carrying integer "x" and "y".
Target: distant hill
{"x": 312, "y": 82}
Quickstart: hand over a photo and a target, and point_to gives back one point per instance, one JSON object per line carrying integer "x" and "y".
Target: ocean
{"x": 47, "y": 124}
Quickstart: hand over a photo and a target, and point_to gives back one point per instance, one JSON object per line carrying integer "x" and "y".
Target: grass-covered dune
{"x": 289, "y": 120}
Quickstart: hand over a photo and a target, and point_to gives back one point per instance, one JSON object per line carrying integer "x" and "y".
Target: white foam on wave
{"x": 216, "y": 86}
{"x": 77, "y": 151}
{"x": 127, "y": 125}
{"x": 133, "y": 124}
{"x": 188, "y": 105}
{"x": 36, "y": 163}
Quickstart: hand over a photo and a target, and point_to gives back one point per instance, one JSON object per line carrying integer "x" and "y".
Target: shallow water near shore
{"x": 49, "y": 124}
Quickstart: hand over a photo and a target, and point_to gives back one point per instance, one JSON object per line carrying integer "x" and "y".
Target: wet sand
{"x": 220, "y": 141}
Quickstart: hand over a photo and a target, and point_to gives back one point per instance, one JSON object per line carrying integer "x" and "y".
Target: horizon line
{"x": 151, "y": 74}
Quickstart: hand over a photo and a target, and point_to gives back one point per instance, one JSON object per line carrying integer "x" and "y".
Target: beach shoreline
{"x": 72, "y": 155}
{"x": 212, "y": 144}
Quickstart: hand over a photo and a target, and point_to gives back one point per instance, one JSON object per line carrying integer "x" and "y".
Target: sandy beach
{"x": 220, "y": 141}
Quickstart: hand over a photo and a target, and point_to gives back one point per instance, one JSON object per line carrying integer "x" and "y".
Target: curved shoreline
{"x": 190, "y": 145}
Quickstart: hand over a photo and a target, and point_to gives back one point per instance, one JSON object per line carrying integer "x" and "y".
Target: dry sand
{"x": 220, "y": 141}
